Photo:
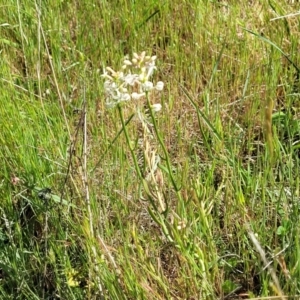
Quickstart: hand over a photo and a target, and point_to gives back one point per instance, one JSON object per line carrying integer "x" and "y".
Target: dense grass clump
{"x": 181, "y": 182}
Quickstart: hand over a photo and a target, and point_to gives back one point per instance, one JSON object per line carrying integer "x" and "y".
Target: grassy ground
{"x": 227, "y": 226}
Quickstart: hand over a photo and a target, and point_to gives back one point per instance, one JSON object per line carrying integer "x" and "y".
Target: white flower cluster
{"x": 133, "y": 82}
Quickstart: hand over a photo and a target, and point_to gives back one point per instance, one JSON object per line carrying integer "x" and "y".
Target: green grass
{"x": 229, "y": 135}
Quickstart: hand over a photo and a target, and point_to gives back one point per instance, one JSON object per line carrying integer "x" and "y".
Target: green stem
{"x": 129, "y": 144}
{"x": 166, "y": 154}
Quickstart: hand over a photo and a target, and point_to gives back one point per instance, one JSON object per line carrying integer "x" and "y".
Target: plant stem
{"x": 128, "y": 142}
{"x": 166, "y": 154}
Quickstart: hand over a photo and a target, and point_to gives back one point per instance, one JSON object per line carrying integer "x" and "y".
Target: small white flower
{"x": 131, "y": 79}
{"x": 156, "y": 107}
{"x": 115, "y": 95}
{"x": 108, "y": 85}
{"x": 136, "y": 96}
{"x": 153, "y": 58}
{"x": 147, "y": 86}
{"x": 124, "y": 97}
{"x": 151, "y": 68}
{"x": 159, "y": 86}
{"x": 118, "y": 75}
{"x": 123, "y": 90}
{"x": 110, "y": 105}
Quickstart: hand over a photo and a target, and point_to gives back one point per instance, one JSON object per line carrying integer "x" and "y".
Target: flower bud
{"x": 127, "y": 62}
{"x": 159, "y": 86}
{"x": 147, "y": 86}
{"x": 156, "y": 107}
